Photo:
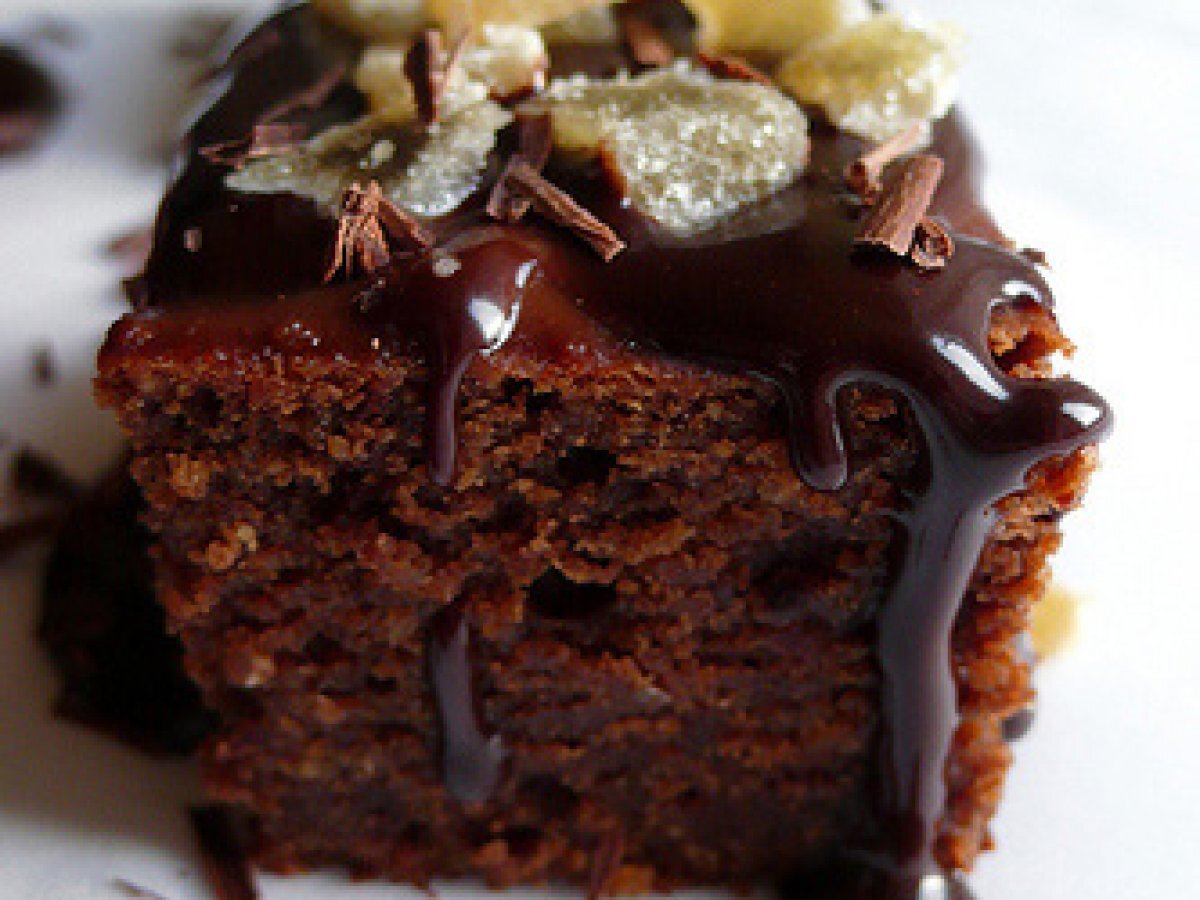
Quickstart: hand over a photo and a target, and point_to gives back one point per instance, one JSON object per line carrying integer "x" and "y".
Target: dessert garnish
{"x": 898, "y": 221}
{"x": 647, "y": 45}
{"x": 265, "y": 139}
{"x": 879, "y": 76}
{"x": 371, "y": 229}
{"x": 428, "y": 65}
{"x": 864, "y": 175}
{"x": 722, "y": 65}
{"x": 738, "y": 142}
{"x": 535, "y": 142}
{"x": 773, "y": 30}
{"x": 553, "y": 203}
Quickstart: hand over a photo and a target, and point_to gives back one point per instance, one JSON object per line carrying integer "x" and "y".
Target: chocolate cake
{"x": 614, "y": 448}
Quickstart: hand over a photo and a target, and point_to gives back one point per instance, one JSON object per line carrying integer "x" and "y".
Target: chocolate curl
{"x": 864, "y": 175}
{"x": 534, "y": 144}
{"x": 370, "y": 228}
{"x": 552, "y": 203}
{"x": 901, "y": 210}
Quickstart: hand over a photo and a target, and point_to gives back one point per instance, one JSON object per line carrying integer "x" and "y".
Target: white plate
{"x": 1088, "y": 113}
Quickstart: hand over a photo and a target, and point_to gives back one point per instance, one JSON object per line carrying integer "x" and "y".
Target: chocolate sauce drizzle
{"x": 775, "y": 292}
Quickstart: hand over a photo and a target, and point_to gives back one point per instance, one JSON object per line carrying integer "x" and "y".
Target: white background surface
{"x": 1088, "y": 111}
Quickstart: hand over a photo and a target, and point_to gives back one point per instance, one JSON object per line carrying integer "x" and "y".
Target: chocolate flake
{"x": 135, "y": 891}
{"x": 734, "y": 68}
{"x": 221, "y": 850}
{"x": 44, "y": 367}
{"x": 265, "y": 139}
{"x": 1035, "y": 256}
{"x": 647, "y": 45}
{"x": 369, "y": 227}
{"x": 428, "y": 66}
{"x": 934, "y": 246}
{"x": 553, "y": 203}
{"x": 535, "y": 142}
{"x": 864, "y": 175}
{"x": 893, "y": 222}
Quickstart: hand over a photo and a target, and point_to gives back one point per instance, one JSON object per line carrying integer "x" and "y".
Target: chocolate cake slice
{"x": 601, "y": 445}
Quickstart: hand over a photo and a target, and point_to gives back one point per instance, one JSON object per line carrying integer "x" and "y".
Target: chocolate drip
{"x": 29, "y": 101}
{"x": 776, "y": 292}
{"x": 472, "y": 759}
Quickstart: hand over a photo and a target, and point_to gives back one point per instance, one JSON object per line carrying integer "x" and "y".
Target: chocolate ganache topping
{"x": 777, "y": 290}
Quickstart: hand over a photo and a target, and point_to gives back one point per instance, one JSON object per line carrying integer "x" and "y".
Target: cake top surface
{"x": 782, "y": 194}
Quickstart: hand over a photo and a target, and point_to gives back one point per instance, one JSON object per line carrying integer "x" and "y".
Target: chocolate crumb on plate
{"x": 30, "y": 101}
{"x": 44, "y": 367}
{"x": 135, "y": 891}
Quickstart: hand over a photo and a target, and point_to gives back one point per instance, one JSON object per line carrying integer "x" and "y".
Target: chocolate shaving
{"x": 733, "y": 67}
{"x": 901, "y": 208}
{"x": 265, "y": 139}
{"x": 864, "y": 175}
{"x": 933, "y": 246}
{"x": 428, "y": 66}
{"x": 369, "y": 228}
{"x": 647, "y": 44}
{"x": 306, "y": 99}
{"x": 44, "y": 369}
{"x": 551, "y": 202}
{"x": 535, "y": 141}
{"x": 1036, "y": 257}
{"x": 606, "y": 865}
{"x": 18, "y": 130}
{"x": 137, "y": 892}
{"x": 222, "y": 853}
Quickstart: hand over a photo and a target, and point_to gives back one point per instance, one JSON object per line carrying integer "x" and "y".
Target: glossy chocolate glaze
{"x": 776, "y": 292}
{"x": 29, "y": 100}
{"x": 472, "y": 756}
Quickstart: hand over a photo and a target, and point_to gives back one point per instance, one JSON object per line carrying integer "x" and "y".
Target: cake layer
{"x": 669, "y": 631}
